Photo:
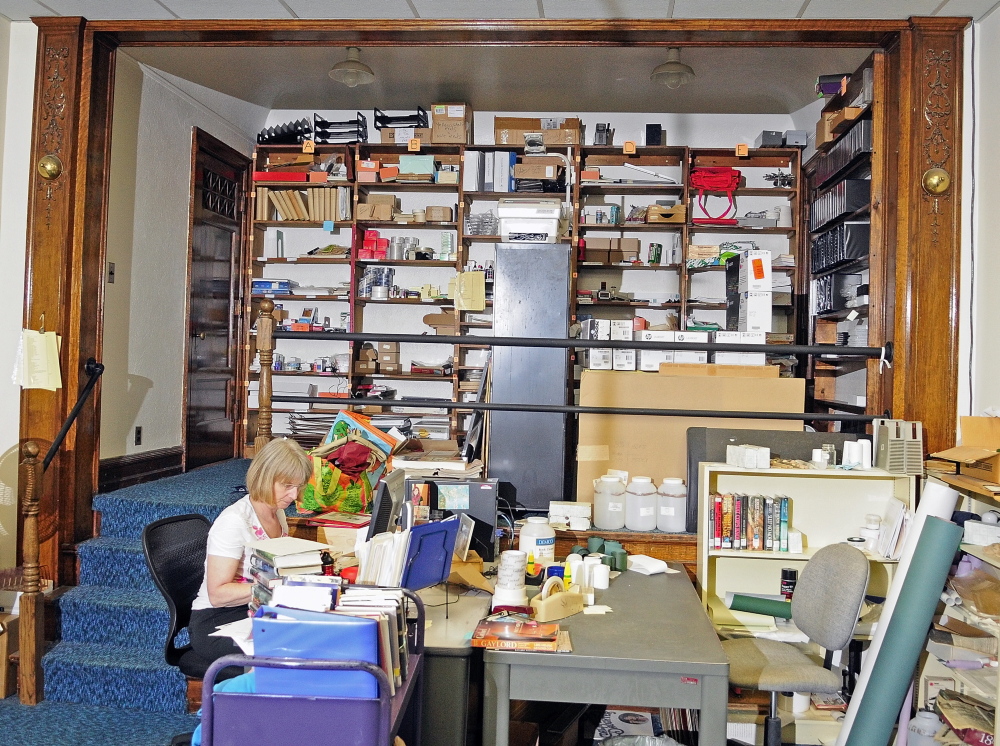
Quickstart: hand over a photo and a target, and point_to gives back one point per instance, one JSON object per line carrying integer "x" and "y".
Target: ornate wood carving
{"x": 265, "y": 349}
{"x": 937, "y": 112}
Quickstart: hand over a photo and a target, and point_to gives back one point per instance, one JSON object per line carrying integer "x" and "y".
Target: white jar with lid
{"x": 923, "y": 728}
{"x": 870, "y": 531}
{"x": 671, "y": 506}
{"x": 537, "y": 540}
{"x": 609, "y": 503}
{"x": 640, "y": 504}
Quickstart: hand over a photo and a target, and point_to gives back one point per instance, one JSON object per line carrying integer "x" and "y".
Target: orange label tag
{"x": 628, "y": 148}
{"x": 742, "y": 150}
{"x": 758, "y": 269}
{"x": 308, "y": 146}
{"x": 413, "y": 144}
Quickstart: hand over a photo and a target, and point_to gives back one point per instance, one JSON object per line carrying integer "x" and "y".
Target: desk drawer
{"x": 552, "y": 683}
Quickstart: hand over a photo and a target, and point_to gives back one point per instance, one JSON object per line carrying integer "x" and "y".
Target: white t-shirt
{"x": 236, "y": 526}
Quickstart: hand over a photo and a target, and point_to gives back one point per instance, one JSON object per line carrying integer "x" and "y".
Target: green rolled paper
{"x": 765, "y": 606}
{"x": 906, "y": 635}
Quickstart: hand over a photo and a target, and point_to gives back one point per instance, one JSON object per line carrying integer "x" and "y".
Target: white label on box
{"x": 599, "y": 359}
{"x": 615, "y": 507}
{"x": 698, "y": 357}
{"x": 727, "y": 337}
{"x": 647, "y": 335}
{"x": 647, "y": 511}
{"x": 691, "y": 336}
{"x": 456, "y": 112}
{"x": 624, "y": 359}
{"x": 621, "y": 330}
{"x": 650, "y": 359}
{"x": 404, "y": 135}
{"x": 552, "y": 123}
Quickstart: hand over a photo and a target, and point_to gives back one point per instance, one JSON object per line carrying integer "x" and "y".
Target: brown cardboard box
{"x": 715, "y": 370}
{"x": 438, "y": 214}
{"x": 841, "y": 119}
{"x": 658, "y": 445}
{"x": 389, "y": 135}
{"x": 629, "y": 247}
{"x": 390, "y": 368}
{"x": 977, "y": 456}
{"x": 388, "y": 358}
{"x": 824, "y": 129}
{"x": 365, "y": 211}
{"x": 451, "y": 123}
{"x": 510, "y": 131}
{"x": 367, "y": 177}
{"x": 388, "y": 347}
{"x": 383, "y": 199}
{"x": 533, "y": 170}
{"x": 365, "y": 367}
{"x": 381, "y": 212}
{"x": 596, "y": 255}
{"x": 602, "y": 244}
{"x": 8, "y": 646}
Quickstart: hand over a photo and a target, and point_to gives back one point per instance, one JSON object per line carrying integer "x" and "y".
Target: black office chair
{"x": 175, "y": 554}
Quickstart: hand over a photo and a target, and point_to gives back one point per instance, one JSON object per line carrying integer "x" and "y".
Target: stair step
{"x": 128, "y": 617}
{"x": 129, "y": 678}
{"x": 114, "y": 562}
{"x": 125, "y": 512}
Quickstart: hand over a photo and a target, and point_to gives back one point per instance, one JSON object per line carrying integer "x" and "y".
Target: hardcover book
{"x": 521, "y": 636}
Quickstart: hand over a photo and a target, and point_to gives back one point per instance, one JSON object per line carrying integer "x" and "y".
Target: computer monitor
{"x": 388, "y": 501}
{"x": 476, "y": 497}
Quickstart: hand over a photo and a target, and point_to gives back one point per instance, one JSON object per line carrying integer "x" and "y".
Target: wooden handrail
{"x": 265, "y": 352}
{"x": 32, "y": 607}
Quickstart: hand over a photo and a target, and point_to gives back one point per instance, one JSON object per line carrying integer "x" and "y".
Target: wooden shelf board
{"x": 628, "y": 267}
{"x": 300, "y": 223}
{"x": 843, "y": 313}
{"x": 789, "y": 232}
{"x": 406, "y": 377}
{"x": 302, "y": 260}
{"x": 626, "y": 304}
{"x": 274, "y": 296}
{"x": 624, "y": 227}
{"x": 409, "y": 262}
{"x": 407, "y": 186}
{"x": 407, "y": 301}
{"x": 609, "y": 188}
{"x": 407, "y": 226}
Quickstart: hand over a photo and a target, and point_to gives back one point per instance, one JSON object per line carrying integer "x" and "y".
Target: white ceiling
{"x": 22, "y": 10}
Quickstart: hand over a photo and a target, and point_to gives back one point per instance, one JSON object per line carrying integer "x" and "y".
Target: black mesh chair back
{"x": 175, "y": 554}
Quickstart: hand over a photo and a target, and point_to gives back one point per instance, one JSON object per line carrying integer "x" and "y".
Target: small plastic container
{"x": 923, "y": 728}
{"x": 537, "y": 539}
{"x": 609, "y": 503}
{"x": 671, "y": 506}
{"x": 640, "y": 504}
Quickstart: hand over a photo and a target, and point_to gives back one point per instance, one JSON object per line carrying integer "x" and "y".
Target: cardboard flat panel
{"x": 983, "y": 432}
{"x": 657, "y": 446}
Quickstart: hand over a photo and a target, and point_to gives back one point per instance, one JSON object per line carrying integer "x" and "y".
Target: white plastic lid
{"x": 610, "y": 478}
{"x": 672, "y": 480}
{"x": 872, "y": 520}
{"x": 538, "y": 519}
{"x": 643, "y": 480}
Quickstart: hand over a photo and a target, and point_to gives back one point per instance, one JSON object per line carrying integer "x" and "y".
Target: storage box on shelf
{"x": 826, "y": 506}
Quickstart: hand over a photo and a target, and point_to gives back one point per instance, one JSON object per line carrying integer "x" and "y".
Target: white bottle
{"x": 609, "y": 503}
{"x": 923, "y": 728}
{"x": 538, "y": 540}
{"x": 640, "y": 504}
{"x": 671, "y": 509}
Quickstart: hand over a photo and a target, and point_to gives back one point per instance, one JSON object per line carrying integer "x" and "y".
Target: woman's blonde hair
{"x": 281, "y": 460}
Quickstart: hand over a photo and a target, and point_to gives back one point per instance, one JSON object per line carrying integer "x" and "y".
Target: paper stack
{"x": 273, "y": 560}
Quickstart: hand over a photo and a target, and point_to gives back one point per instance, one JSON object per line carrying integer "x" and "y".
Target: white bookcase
{"x": 827, "y": 506}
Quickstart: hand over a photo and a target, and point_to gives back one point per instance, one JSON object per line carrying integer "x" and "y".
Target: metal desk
{"x": 656, "y": 649}
{"x": 449, "y": 664}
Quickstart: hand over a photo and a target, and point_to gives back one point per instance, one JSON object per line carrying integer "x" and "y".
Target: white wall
{"x": 148, "y": 242}
{"x": 17, "y": 80}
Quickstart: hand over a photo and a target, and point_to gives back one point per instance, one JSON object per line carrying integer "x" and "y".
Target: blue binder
{"x": 311, "y": 634}
{"x": 428, "y": 556}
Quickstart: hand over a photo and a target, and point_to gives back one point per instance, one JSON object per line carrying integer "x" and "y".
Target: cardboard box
{"x": 369, "y": 211}
{"x": 621, "y": 329}
{"x": 595, "y": 329}
{"x": 661, "y": 214}
{"x": 451, "y": 123}
{"x": 658, "y": 445}
{"x": 651, "y": 360}
{"x": 840, "y": 120}
{"x": 533, "y": 170}
{"x": 439, "y": 214}
{"x": 510, "y": 130}
{"x": 390, "y": 368}
{"x": 388, "y": 346}
{"x": 602, "y": 244}
{"x": 623, "y": 360}
{"x": 755, "y": 271}
{"x": 390, "y": 358}
{"x": 8, "y": 646}
{"x": 629, "y": 247}
{"x": 370, "y": 166}
{"x": 598, "y": 358}
{"x": 977, "y": 456}
{"x": 383, "y": 199}
{"x": 824, "y": 129}
{"x": 367, "y": 177}
{"x": 723, "y": 371}
{"x": 755, "y": 312}
{"x": 403, "y": 135}
{"x": 364, "y": 367}
{"x": 596, "y": 255}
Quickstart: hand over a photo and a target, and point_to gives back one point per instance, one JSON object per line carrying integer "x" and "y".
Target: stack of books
{"x": 426, "y": 464}
{"x": 508, "y": 634}
{"x": 386, "y": 606}
{"x": 274, "y": 560}
{"x": 751, "y": 522}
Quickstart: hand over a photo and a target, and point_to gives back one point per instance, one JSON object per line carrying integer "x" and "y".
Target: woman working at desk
{"x": 275, "y": 478}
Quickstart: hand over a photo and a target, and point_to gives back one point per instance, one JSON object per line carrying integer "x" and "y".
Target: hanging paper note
{"x": 470, "y": 291}
{"x": 38, "y": 361}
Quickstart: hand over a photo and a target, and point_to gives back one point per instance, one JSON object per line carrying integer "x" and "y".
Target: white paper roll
{"x": 866, "y": 454}
{"x": 939, "y": 501}
{"x": 852, "y": 453}
{"x": 505, "y": 597}
{"x": 601, "y": 576}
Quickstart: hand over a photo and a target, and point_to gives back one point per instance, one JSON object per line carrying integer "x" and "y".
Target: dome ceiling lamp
{"x": 352, "y": 72}
{"x": 673, "y": 73}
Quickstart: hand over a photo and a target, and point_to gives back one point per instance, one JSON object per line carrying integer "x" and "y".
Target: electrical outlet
{"x": 138, "y": 435}
{"x": 111, "y": 273}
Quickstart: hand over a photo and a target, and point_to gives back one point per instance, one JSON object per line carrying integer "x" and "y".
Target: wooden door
{"x": 215, "y": 288}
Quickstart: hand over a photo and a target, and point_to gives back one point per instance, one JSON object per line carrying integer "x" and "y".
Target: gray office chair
{"x": 825, "y": 606}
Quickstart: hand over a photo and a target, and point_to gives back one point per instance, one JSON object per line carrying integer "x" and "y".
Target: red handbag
{"x": 710, "y": 179}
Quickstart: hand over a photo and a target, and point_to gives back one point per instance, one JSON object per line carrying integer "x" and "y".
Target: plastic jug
{"x": 923, "y": 728}
{"x": 640, "y": 504}
{"x": 609, "y": 503}
{"x": 671, "y": 508}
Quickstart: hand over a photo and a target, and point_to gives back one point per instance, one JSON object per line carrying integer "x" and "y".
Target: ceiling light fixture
{"x": 352, "y": 72}
{"x": 673, "y": 73}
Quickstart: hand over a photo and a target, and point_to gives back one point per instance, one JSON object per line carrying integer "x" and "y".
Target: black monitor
{"x": 388, "y": 501}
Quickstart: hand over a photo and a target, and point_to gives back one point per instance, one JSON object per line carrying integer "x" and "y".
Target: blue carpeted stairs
{"x": 114, "y": 623}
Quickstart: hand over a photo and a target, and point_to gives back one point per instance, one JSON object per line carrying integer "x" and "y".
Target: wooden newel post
{"x": 32, "y": 607}
{"x": 265, "y": 350}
